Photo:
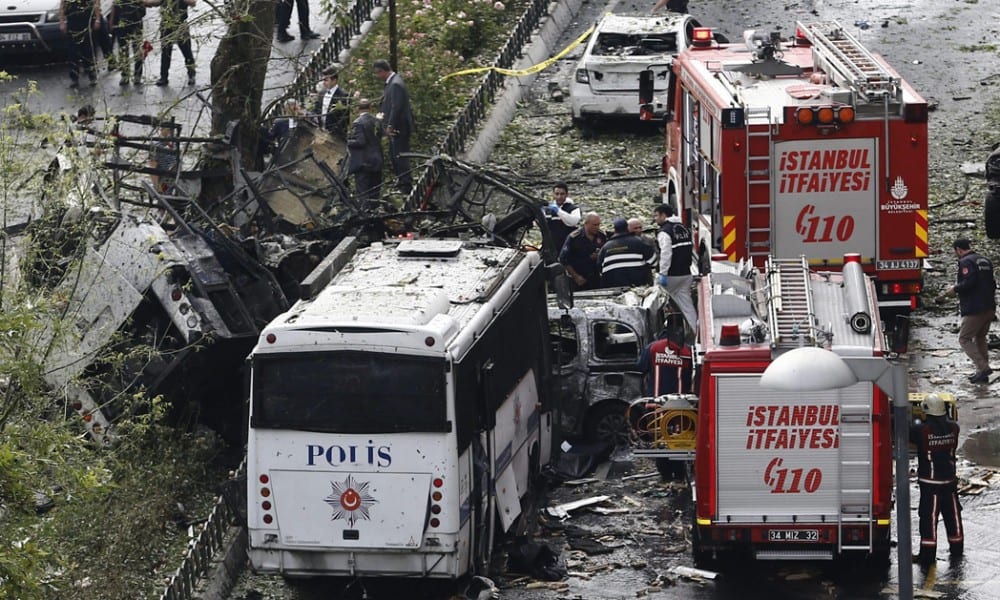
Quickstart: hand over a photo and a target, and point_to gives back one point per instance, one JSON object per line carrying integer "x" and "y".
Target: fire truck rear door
{"x": 781, "y": 454}
{"x": 825, "y": 198}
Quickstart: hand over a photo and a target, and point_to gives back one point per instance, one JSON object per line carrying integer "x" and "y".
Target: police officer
{"x": 936, "y": 440}
{"x": 676, "y": 253}
{"x": 579, "y": 253}
{"x": 561, "y": 215}
{"x": 976, "y": 291}
{"x": 625, "y": 261}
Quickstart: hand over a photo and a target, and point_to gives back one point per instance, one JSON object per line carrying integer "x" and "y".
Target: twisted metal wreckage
{"x": 196, "y": 277}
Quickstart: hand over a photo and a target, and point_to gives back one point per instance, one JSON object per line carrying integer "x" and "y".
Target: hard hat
{"x": 933, "y": 405}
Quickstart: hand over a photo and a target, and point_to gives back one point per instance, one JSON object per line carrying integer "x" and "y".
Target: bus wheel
{"x": 606, "y": 423}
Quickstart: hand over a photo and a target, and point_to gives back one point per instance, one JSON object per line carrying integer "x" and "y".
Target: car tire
{"x": 991, "y": 212}
{"x": 607, "y": 423}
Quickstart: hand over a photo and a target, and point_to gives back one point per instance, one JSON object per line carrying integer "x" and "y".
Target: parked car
{"x": 595, "y": 347}
{"x": 606, "y": 81}
{"x": 31, "y": 26}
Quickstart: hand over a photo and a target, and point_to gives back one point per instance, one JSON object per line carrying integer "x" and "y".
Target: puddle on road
{"x": 983, "y": 448}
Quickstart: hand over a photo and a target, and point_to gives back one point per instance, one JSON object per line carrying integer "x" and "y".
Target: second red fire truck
{"x": 811, "y": 147}
{"x": 780, "y": 475}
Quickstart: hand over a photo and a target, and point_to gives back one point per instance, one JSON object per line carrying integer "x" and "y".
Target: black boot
{"x": 283, "y": 36}
{"x": 309, "y": 34}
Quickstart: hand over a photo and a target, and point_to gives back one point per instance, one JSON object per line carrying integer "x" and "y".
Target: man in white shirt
{"x": 331, "y": 106}
{"x": 676, "y": 254}
{"x": 561, "y": 215}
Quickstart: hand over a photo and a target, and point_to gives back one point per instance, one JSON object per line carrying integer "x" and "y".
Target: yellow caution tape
{"x": 530, "y": 70}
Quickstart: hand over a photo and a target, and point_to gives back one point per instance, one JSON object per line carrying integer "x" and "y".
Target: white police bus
{"x": 398, "y": 411}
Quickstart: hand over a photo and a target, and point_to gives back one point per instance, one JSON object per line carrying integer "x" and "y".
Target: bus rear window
{"x": 349, "y": 392}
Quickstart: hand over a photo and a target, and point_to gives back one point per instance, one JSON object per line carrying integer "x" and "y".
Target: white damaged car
{"x": 606, "y": 81}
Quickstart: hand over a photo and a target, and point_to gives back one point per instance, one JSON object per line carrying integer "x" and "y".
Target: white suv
{"x": 606, "y": 81}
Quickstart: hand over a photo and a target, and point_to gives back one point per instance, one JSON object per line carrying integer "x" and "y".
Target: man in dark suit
{"x": 397, "y": 121}
{"x": 331, "y": 106}
{"x": 365, "y": 159}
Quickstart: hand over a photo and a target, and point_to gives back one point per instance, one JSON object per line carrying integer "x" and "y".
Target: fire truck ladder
{"x": 855, "y": 471}
{"x": 848, "y": 63}
{"x": 758, "y": 174}
{"x": 791, "y": 316}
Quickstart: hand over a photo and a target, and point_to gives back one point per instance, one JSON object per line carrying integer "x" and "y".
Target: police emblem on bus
{"x": 350, "y": 500}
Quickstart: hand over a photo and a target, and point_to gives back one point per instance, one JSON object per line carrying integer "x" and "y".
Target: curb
{"x": 221, "y": 578}
{"x": 542, "y": 46}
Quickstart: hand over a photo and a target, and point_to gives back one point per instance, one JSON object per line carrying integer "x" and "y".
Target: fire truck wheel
{"x": 702, "y": 558}
{"x": 606, "y": 423}
{"x": 674, "y": 470}
{"x": 991, "y": 212}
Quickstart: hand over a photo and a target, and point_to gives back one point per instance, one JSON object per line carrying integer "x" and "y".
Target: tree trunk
{"x": 239, "y": 68}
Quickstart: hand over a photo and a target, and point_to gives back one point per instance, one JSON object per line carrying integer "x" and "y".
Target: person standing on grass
{"x": 397, "y": 122}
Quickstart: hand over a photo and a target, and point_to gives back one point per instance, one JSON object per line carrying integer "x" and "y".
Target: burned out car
{"x": 606, "y": 80}
{"x": 595, "y": 347}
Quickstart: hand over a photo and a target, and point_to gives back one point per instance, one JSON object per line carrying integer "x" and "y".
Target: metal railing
{"x": 475, "y": 111}
{"x": 229, "y": 510}
{"x": 329, "y": 52}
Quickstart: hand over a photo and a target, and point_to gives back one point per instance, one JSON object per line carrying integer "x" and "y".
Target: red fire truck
{"x": 810, "y": 147}
{"x": 785, "y": 475}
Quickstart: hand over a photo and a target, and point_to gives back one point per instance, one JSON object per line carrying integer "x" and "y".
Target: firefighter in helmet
{"x": 936, "y": 439}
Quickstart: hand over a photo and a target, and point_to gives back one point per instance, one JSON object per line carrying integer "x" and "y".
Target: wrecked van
{"x": 595, "y": 347}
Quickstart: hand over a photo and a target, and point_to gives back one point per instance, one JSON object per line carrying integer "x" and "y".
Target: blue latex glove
{"x": 554, "y": 210}
{"x": 661, "y": 280}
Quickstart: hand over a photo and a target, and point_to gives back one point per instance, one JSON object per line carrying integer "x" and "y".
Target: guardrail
{"x": 476, "y": 109}
{"x": 229, "y": 510}
{"x": 329, "y": 52}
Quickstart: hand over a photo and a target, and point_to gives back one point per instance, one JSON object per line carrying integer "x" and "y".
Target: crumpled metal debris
{"x": 561, "y": 511}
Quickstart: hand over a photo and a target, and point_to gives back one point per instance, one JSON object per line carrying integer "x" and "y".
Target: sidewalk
{"x": 177, "y": 99}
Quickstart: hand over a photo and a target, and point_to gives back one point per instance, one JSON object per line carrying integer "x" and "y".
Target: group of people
{"x": 89, "y": 31}
{"x": 626, "y": 256}
{"x": 330, "y": 112}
